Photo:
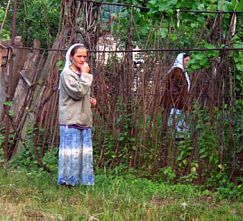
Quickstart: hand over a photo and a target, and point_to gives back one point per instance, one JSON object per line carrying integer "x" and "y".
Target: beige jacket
{"x": 74, "y": 98}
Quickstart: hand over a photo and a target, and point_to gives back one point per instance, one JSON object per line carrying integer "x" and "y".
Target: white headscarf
{"x": 68, "y": 60}
{"x": 180, "y": 64}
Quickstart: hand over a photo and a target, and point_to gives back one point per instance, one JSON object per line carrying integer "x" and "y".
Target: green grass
{"x": 35, "y": 196}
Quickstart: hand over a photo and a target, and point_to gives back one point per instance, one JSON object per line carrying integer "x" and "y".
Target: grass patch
{"x": 36, "y": 196}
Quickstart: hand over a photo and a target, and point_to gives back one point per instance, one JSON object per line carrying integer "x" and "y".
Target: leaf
{"x": 163, "y": 7}
{"x": 173, "y": 37}
{"x": 239, "y": 67}
{"x": 203, "y": 62}
{"x": 194, "y": 67}
{"x": 1, "y": 15}
{"x": 8, "y": 103}
{"x": 60, "y": 64}
{"x": 144, "y": 30}
{"x": 238, "y": 45}
{"x": 164, "y": 32}
{"x": 207, "y": 45}
{"x": 203, "y": 156}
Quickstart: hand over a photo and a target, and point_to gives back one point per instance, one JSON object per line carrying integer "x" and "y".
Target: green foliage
{"x": 38, "y": 19}
{"x": 166, "y": 174}
{"x": 238, "y": 61}
{"x": 118, "y": 143}
{"x": 1, "y": 14}
{"x": 184, "y": 152}
{"x": 50, "y": 160}
{"x": 202, "y": 150}
{"x": 26, "y": 157}
{"x": 1, "y": 140}
{"x": 225, "y": 189}
{"x": 238, "y": 125}
{"x": 9, "y": 105}
{"x": 200, "y": 60}
{"x": 158, "y": 6}
{"x": 60, "y": 65}
{"x": 1, "y": 149}
{"x": 112, "y": 198}
{"x": 4, "y": 33}
{"x": 159, "y": 24}
{"x": 207, "y": 143}
{"x": 207, "y": 139}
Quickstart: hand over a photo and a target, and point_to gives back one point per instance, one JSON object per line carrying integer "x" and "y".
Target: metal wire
{"x": 138, "y": 50}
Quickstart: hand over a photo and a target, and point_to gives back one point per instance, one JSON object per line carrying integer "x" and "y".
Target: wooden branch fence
{"x": 127, "y": 119}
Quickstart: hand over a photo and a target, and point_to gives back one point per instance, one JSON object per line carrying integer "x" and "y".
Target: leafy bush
{"x": 4, "y": 33}
{"x": 50, "y": 160}
{"x": 36, "y": 19}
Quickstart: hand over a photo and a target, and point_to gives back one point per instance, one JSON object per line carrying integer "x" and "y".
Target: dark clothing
{"x": 176, "y": 91}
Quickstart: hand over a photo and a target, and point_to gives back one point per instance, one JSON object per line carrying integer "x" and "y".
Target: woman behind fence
{"x": 75, "y": 163}
{"x": 175, "y": 99}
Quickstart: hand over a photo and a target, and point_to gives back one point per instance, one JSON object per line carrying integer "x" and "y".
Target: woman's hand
{"x": 85, "y": 67}
{"x": 93, "y": 102}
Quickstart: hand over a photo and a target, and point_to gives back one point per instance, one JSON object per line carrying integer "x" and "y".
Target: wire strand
{"x": 136, "y": 50}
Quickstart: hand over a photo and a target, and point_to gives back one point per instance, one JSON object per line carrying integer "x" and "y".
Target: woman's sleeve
{"x": 75, "y": 87}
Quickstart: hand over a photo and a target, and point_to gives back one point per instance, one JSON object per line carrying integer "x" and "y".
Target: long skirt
{"x": 75, "y": 163}
{"x": 177, "y": 120}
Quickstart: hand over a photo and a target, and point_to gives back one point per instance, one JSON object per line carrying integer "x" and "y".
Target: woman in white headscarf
{"x": 175, "y": 99}
{"x": 75, "y": 163}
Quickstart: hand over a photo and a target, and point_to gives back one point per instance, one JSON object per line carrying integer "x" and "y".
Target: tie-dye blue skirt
{"x": 75, "y": 163}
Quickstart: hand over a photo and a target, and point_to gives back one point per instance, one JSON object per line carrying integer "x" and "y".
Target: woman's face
{"x": 186, "y": 60}
{"x": 79, "y": 58}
